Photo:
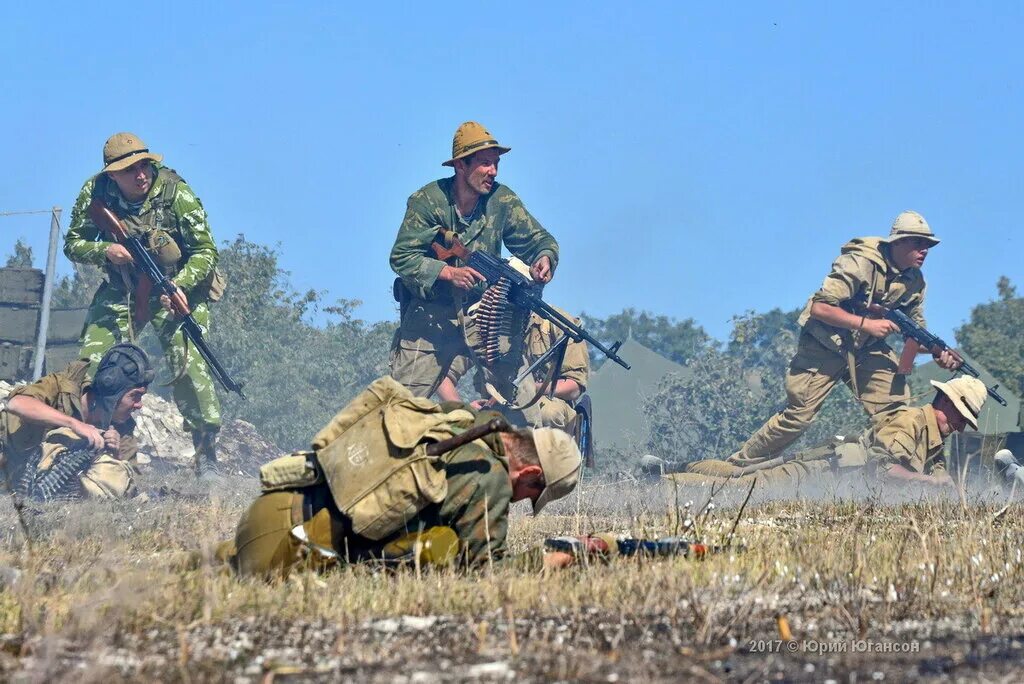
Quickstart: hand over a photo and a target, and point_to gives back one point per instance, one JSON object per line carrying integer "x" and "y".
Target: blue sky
{"x": 694, "y": 160}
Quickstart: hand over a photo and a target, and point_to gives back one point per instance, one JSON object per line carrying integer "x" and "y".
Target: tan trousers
{"x": 813, "y": 374}
{"x": 552, "y": 412}
{"x": 792, "y": 474}
{"x": 428, "y": 340}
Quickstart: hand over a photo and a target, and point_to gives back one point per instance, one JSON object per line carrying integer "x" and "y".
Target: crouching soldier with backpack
{"x": 395, "y": 476}
{"x": 65, "y": 435}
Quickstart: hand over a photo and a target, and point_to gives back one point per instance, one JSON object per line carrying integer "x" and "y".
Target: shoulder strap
{"x": 170, "y": 180}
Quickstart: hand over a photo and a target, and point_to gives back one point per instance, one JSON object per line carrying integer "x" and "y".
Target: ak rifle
{"x": 152, "y": 278}
{"x": 920, "y": 338}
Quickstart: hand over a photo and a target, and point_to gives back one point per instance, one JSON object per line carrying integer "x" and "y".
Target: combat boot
{"x": 205, "y": 443}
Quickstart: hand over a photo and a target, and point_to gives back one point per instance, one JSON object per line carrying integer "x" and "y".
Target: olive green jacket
{"x": 499, "y": 218}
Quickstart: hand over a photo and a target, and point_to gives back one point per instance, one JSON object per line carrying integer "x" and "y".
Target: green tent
{"x": 617, "y": 395}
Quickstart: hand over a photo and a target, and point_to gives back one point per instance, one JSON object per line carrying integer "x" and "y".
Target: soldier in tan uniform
{"x": 370, "y": 488}
{"x": 54, "y": 418}
{"x": 570, "y": 380}
{"x": 840, "y": 344}
{"x": 904, "y": 446}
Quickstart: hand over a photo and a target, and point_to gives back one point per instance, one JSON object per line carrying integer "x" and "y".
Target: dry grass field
{"x": 868, "y": 588}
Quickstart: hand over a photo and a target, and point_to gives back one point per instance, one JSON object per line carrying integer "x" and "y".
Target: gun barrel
{"x": 577, "y": 333}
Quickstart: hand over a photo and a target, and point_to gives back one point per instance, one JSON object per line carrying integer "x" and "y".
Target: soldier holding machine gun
{"x": 136, "y": 202}
{"x": 434, "y": 295}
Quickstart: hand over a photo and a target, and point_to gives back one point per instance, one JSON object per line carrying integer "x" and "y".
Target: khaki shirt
{"x": 61, "y": 391}
{"x": 541, "y": 335}
{"x": 909, "y": 437}
{"x": 863, "y": 273}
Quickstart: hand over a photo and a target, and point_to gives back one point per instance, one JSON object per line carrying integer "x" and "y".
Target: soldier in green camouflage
{"x": 154, "y": 203}
{"x": 434, "y": 295}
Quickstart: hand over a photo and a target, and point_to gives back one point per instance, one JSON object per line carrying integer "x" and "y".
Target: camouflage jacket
{"x": 184, "y": 220}
{"x": 61, "y": 391}
{"x": 477, "y": 503}
{"x": 499, "y": 217}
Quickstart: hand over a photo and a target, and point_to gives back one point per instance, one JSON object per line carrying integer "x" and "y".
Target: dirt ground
{"x": 866, "y": 589}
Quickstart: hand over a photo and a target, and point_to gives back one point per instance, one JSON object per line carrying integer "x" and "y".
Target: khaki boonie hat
{"x": 124, "y": 149}
{"x": 911, "y": 224}
{"x": 560, "y": 458}
{"x": 967, "y": 394}
{"x": 471, "y": 137}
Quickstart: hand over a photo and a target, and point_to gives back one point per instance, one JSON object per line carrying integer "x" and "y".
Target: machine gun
{"x": 523, "y": 291}
{"x": 151, "y": 277}
{"x": 920, "y": 338}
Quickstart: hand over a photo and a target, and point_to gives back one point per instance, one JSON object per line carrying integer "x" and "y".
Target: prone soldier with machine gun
{"x": 65, "y": 435}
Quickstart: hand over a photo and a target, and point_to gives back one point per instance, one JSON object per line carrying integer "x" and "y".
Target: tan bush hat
{"x": 911, "y": 224}
{"x": 967, "y": 394}
{"x": 124, "y": 149}
{"x": 561, "y": 460}
{"x": 471, "y": 137}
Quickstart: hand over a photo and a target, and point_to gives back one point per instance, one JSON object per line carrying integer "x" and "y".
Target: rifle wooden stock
{"x": 447, "y": 246}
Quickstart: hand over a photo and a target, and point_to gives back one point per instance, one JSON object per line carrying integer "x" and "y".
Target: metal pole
{"x": 44, "y": 312}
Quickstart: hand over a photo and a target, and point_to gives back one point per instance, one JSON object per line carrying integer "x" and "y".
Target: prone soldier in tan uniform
{"x": 434, "y": 295}
{"x": 45, "y": 427}
{"x": 840, "y": 344}
{"x": 905, "y": 446}
{"x": 380, "y": 484}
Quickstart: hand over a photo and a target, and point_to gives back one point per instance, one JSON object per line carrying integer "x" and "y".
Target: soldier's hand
{"x": 556, "y": 560}
{"x": 89, "y": 433}
{"x": 462, "y": 277}
{"x": 541, "y": 270}
{"x": 178, "y": 304}
{"x": 480, "y": 404}
{"x": 948, "y": 360}
{"x": 118, "y": 254}
{"x": 879, "y": 327}
{"x": 112, "y": 439}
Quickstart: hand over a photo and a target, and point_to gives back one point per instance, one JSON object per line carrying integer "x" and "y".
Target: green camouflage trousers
{"x": 107, "y": 323}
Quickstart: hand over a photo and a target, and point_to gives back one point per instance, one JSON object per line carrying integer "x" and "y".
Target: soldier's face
{"x": 953, "y": 419}
{"x": 135, "y": 181}
{"x": 479, "y": 170}
{"x": 910, "y": 252}
{"x": 129, "y": 404}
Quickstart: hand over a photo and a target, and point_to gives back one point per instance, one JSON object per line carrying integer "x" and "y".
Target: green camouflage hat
{"x": 471, "y": 137}
{"x": 124, "y": 149}
{"x": 911, "y": 224}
